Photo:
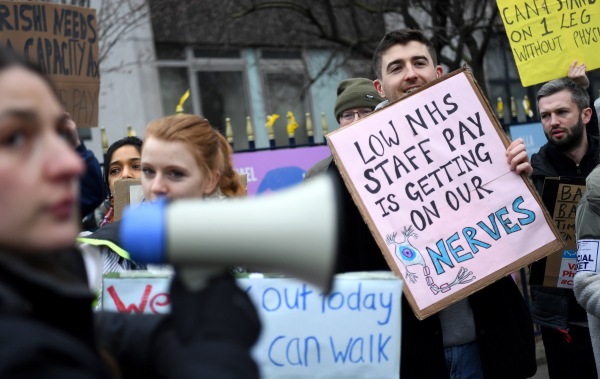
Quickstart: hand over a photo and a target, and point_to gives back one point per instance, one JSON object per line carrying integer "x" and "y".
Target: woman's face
{"x": 170, "y": 169}
{"x": 125, "y": 164}
{"x": 39, "y": 171}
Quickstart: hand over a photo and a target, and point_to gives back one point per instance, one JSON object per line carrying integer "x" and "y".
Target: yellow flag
{"x": 271, "y": 119}
{"x": 179, "y": 109}
{"x": 292, "y": 124}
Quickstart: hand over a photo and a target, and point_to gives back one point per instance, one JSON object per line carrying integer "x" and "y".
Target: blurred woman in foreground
{"x": 47, "y": 328}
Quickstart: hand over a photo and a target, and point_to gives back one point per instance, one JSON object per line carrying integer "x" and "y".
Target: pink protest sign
{"x": 431, "y": 179}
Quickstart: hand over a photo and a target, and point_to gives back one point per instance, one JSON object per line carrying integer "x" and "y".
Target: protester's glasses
{"x": 349, "y": 115}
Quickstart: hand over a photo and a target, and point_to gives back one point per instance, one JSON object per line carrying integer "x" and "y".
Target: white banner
{"x": 352, "y": 333}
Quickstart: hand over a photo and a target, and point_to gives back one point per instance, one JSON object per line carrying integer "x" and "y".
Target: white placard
{"x": 352, "y": 333}
{"x": 587, "y": 255}
{"x": 568, "y": 269}
{"x": 136, "y": 196}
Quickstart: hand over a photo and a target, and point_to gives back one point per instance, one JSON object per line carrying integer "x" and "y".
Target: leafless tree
{"x": 460, "y": 29}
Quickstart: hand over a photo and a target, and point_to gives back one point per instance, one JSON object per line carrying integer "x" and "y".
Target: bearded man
{"x": 565, "y": 112}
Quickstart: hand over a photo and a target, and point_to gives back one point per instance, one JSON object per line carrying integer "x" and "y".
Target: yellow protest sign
{"x": 546, "y": 36}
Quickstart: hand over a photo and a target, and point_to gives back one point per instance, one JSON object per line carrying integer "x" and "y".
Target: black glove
{"x": 220, "y": 311}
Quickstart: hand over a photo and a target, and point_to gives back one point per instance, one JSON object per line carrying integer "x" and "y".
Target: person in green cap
{"x": 356, "y": 98}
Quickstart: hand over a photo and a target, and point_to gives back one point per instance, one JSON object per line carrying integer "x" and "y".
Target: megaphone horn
{"x": 295, "y": 232}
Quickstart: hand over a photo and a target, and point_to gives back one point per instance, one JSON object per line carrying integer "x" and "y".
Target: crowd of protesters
{"x": 209, "y": 333}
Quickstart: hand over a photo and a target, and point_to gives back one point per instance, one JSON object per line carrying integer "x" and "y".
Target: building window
{"x": 284, "y": 93}
{"x": 504, "y": 81}
{"x": 174, "y": 83}
{"x": 167, "y": 51}
{"x": 222, "y": 95}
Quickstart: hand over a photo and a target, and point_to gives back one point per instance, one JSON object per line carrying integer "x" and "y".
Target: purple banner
{"x": 273, "y": 170}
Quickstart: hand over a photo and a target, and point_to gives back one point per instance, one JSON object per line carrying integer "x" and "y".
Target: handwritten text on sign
{"x": 63, "y": 41}
{"x": 546, "y": 36}
{"x": 433, "y": 176}
{"x": 353, "y": 332}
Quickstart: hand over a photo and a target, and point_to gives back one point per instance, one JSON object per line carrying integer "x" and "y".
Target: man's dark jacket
{"x": 91, "y": 183}
{"x": 556, "y": 307}
{"x": 48, "y": 330}
{"x": 502, "y": 319}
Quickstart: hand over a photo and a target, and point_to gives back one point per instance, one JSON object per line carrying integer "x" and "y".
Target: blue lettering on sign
{"x": 271, "y": 349}
{"x": 388, "y": 306}
{"x": 350, "y": 297}
{"x": 370, "y": 297}
{"x": 381, "y": 347}
{"x": 351, "y": 352}
{"x": 332, "y": 296}
{"x": 278, "y": 300}
{"x": 295, "y": 305}
{"x": 506, "y": 221}
{"x": 360, "y": 358}
{"x": 530, "y": 215}
{"x": 306, "y": 350}
{"x": 340, "y": 355}
{"x": 287, "y": 352}
{"x": 469, "y": 234}
{"x": 304, "y": 293}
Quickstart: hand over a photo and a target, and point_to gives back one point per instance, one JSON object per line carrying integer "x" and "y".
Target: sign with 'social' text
{"x": 354, "y": 332}
{"x": 62, "y": 40}
{"x": 546, "y": 36}
{"x": 587, "y": 256}
{"x": 430, "y": 177}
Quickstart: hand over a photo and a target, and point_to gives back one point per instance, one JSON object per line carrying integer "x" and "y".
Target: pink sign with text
{"x": 430, "y": 173}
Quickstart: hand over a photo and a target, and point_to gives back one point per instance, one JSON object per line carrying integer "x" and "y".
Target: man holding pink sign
{"x": 487, "y": 333}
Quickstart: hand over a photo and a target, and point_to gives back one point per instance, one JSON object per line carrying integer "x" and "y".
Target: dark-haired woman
{"x": 47, "y": 328}
{"x": 122, "y": 162}
{"x": 102, "y": 249}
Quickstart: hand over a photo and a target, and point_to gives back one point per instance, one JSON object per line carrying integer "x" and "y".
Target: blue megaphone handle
{"x": 143, "y": 232}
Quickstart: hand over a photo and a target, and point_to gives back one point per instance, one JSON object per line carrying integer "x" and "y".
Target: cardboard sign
{"x": 561, "y": 196}
{"x": 352, "y": 332}
{"x": 127, "y": 192}
{"x": 430, "y": 177}
{"x": 62, "y": 40}
{"x": 546, "y": 36}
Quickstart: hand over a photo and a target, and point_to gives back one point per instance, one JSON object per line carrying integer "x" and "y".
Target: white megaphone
{"x": 295, "y": 232}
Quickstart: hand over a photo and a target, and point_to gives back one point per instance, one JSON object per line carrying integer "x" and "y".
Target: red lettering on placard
{"x": 131, "y": 307}
{"x": 572, "y": 266}
{"x": 154, "y": 301}
{"x": 566, "y": 273}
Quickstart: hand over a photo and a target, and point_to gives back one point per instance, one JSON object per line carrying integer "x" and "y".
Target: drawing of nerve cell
{"x": 410, "y": 256}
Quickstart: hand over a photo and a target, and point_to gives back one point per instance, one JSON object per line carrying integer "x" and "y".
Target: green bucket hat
{"x": 355, "y": 93}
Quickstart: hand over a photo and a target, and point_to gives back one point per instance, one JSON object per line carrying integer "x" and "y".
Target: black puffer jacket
{"x": 48, "y": 330}
{"x": 556, "y": 307}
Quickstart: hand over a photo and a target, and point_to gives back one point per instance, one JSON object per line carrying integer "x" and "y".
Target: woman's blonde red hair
{"x": 211, "y": 150}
